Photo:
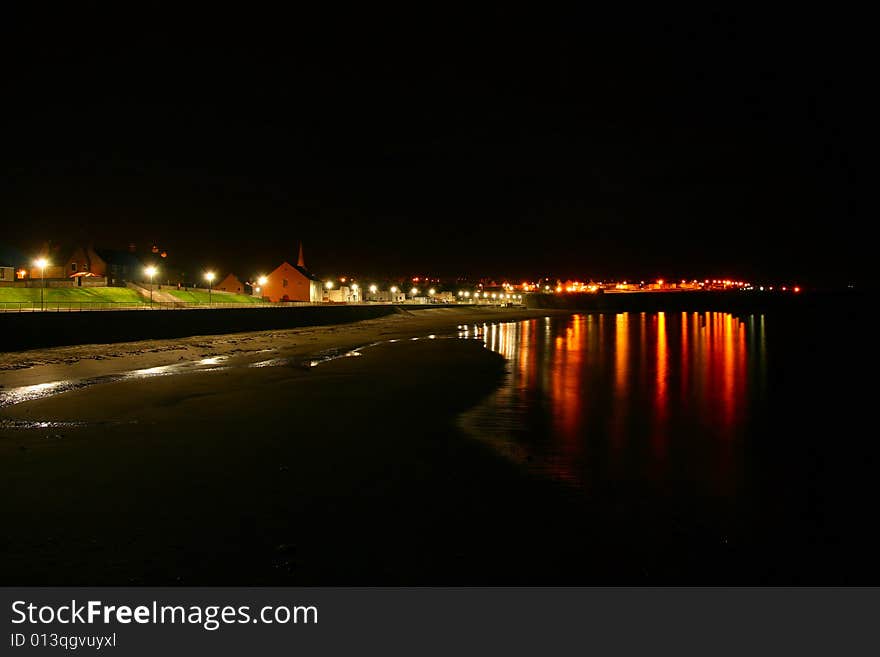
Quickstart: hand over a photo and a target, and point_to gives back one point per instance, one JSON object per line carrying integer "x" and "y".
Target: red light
{"x": 797, "y": 289}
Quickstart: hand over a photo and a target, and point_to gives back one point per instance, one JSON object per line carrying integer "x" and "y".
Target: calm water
{"x": 738, "y": 447}
{"x": 658, "y": 399}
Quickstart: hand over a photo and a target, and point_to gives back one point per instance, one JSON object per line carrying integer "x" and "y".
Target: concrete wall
{"x": 31, "y": 330}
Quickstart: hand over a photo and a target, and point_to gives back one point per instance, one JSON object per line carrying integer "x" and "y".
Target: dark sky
{"x": 503, "y": 143}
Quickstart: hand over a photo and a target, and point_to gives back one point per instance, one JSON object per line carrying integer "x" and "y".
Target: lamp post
{"x": 150, "y": 271}
{"x": 209, "y": 276}
{"x": 42, "y": 263}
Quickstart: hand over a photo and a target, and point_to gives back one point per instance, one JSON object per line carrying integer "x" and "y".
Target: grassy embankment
{"x": 201, "y": 296}
{"x": 15, "y": 296}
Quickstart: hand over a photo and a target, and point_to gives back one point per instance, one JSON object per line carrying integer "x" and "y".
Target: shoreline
{"x": 38, "y": 366}
{"x": 352, "y": 472}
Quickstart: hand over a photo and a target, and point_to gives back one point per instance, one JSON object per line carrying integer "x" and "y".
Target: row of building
{"x": 89, "y": 266}
{"x": 72, "y": 266}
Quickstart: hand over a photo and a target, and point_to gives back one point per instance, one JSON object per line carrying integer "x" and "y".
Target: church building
{"x": 292, "y": 283}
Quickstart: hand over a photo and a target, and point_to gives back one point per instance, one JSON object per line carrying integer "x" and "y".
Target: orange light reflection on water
{"x": 679, "y": 389}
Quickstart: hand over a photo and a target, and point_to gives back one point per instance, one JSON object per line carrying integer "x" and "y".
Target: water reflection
{"x": 648, "y": 397}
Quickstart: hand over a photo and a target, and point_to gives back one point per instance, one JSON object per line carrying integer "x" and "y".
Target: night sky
{"x": 502, "y": 143}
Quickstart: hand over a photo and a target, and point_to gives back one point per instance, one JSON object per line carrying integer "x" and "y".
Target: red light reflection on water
{"x": 583, "y": 400}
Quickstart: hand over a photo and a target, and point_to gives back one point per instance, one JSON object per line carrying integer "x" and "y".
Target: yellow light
{"x": 354, "y": 286}
{"x": 42, "y": 263}
{"x": 467, "y": 294}
{"x": 329, "y": 285}
{"x": 431, "y": 291}
{"x": 414, "y": 291}
{"x": 373, "y": 289}
{"x": 150, "y": 271}
{"x": 209, "y": 276}
{"x": 262, "y": 280}
{"x": 393, "y": 289}
{"x": 486, "y": 294}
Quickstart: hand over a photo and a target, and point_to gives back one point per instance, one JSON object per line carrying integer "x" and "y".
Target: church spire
{"x": 301, "y": 261}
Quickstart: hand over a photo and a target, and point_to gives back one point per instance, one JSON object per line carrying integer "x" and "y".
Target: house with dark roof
{"x": 121, "y": 266}
{"x": 292, "y": 283}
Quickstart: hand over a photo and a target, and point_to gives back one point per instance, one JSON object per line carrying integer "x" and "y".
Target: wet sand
{"x": 88, "y": 360}
{"x": 350, "y": 472}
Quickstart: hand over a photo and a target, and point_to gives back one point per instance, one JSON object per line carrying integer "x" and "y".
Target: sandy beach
{"x": 259, "y": 468}
{"x": 37, "y": 366}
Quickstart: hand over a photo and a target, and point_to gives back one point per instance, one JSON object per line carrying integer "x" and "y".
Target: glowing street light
{"x": 329, "y": 285}
{"x": 414, "y": 291}
{"x": 431, "y": 291}
{"x": 262, "y": 280}
{"x": 42, "y": 263}
{"x": 209, "y": 276}
{"x": 150, "y": 271}
{"x": 393, "y": 289}
{"x": 373, "y": 289}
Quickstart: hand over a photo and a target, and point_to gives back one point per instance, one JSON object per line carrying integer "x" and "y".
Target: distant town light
{"x": 354, "y": 286}
{"x": 414, "y": 291}
{"x": 431, "y": 291}
{"x": 329, "y": 284}
{"x": 393, "y": 289}
{"x": 797, "y": 289}
{"x": 373, "y": 289}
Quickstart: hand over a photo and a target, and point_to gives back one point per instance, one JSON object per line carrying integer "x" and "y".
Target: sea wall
{"x": 31, "y": 330}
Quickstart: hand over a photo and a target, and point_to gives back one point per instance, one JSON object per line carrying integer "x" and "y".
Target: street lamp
{"x": 209, "y": 276}
{"x": 414, "y": 291}
{"x": 261, "y": 281}
{"x": 373, "y": 289}
{"x": 329, "y": 285}
{"x": 150, "y": 271}
{"x": 42, "y": 263}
